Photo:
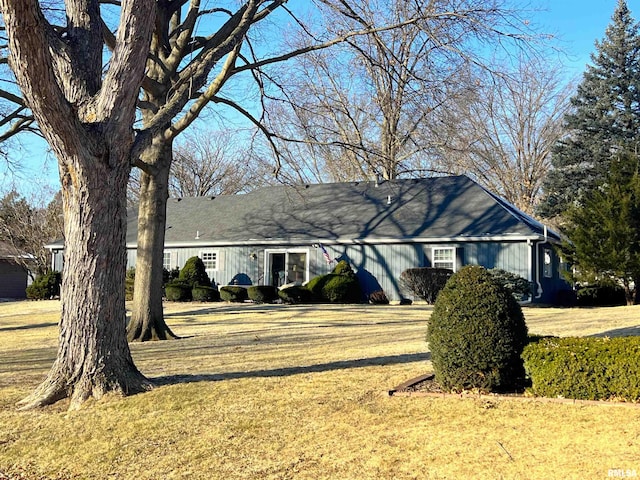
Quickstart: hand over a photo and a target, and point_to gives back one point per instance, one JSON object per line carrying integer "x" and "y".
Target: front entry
{"x": 286, "y": 266}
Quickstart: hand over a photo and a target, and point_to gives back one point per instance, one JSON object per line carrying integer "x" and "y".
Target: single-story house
{"x": 285, "y": 234}
{"x": 13, "y": 276}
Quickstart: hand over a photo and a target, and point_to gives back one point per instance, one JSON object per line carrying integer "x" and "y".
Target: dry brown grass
{"x": 277, "y": 392}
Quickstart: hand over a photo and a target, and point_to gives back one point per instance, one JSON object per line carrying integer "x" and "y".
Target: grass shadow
{"x": 289, "y": 371}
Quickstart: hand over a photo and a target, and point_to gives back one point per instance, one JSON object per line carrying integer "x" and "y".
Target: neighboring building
{"x": 13, "y": 276}
{"x": 279, "y": 235}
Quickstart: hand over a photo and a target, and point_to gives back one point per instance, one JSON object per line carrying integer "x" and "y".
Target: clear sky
{"x": 575, "y": 23}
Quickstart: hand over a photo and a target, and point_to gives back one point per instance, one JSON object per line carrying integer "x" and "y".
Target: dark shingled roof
{"x": 445, "y": 208}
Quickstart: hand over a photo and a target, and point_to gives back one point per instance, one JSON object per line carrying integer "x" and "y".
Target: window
{"x": 444, "y": 258}
{"x": 210, "y": 260}
{"x": 166, "y": 260}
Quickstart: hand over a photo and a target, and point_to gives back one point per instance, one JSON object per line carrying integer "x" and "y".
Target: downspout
{"x": 529, "y": 273}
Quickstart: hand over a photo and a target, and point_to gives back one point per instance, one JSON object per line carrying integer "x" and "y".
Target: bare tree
{"x": 212, "y": 163}
{"x": 362, "y": 108}
{"x": 502, "y": 132}
{"x": 86, "y": 109}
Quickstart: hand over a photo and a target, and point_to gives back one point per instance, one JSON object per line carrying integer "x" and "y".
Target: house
{"x": 288, "y": 234}
{"x": 13, "y": 276}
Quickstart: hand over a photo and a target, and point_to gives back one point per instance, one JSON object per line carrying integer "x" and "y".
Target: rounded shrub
{"x": 231, "y": 293}
{"x": 315, "y": 286}
{"x": 262, "y": 293}
{"x": 202, "y": 293}
{"x": 194, "y": 272}
{"x": 295, "y": 294}
{"x": 177, "y": 291}
{"x": 476, "y": 334}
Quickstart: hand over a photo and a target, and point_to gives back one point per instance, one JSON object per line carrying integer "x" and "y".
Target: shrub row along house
{"x": 288, "y": 234}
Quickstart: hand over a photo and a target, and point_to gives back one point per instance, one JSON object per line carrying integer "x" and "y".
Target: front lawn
{"x": 259, "y": 392}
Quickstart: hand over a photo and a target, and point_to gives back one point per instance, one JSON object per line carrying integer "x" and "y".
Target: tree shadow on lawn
{"x": 29, "y": 327}
{"x": 620, "y": 332}
{"x": 288, "y": 371}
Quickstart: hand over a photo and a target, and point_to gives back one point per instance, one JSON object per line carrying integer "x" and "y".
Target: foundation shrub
{"x": 295, "y": 294}
{"x": 231, "y": 293}
{"x": 177, "y": 291}
{"x": 194, "y": 272}
{"x": 425, "y": 282}
{"x": 378, "y": 297}
{"x": 476, "y": 334}
{"x": 202, "y": 293}
{"x": 584, "y": 368}
{"x": 262, "y": 293}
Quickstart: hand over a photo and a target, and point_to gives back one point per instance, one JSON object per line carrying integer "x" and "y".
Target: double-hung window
{"x": 210, "y": 259}
{"x": 444, "y": 257}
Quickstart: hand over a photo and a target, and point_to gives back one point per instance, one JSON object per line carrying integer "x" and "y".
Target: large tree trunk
{"x": 93, "y": 355}
{"x": 147, "y": 319}
{"x": 86, "y": 114}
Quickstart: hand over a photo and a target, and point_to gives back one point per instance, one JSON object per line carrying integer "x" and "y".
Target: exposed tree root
{"x": 58, "y": 387}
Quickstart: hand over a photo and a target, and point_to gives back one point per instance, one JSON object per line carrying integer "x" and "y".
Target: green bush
{"x": 262, "y": 293}
{"x": 45, "y": 286}
{"x": 177, "y": 291}
{"x": 425, "y": 282}
{"x": 315, "y": 286}
{"x": 518, "y": 286}
{"x": 342, "y": 268}
{"x": 476, "y": 334}
{"x": 585, "y": 368}
{"x": 600, "y": 295}
{"x": 295, "y": 294}
{"x": 202, "y": 293}
{"x": 231, "y": 293}
{"x": 342, "y": 289}
{"x": 194, "y": 272}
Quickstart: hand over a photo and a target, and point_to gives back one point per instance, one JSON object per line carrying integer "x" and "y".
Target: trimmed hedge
{"x": 295, "y": 294}
{"x": 425, "y": 282}
{"x": 177, "y": 291}
{"x": 231, "y": 293}
{"x": 476, "y": 334}
{"x": 339, "y": 286}
{"x": 262, "y": 293}
{"x": 600, "y": 295}
{"x": 585, "y": 368}
{"x": 202, "y": 293}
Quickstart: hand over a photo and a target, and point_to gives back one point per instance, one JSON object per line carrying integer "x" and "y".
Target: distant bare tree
{"x": 29, "y": 224}
{"x": 362, "y": 109}
{"x": 502, "y": 131}
{"x": 211, "y": 163}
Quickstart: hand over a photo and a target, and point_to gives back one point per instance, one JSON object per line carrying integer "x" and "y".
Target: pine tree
{"x": 604, "y": 120}
{"x": 604, "y": 231}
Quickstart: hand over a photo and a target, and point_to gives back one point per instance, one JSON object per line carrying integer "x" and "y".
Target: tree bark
{"x": 147, "y": 319}
{"x": 93, "y": 354}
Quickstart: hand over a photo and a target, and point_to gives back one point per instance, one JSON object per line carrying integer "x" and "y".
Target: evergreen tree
{"x": 604, "y": 231}
{"x": 604, "y": 120}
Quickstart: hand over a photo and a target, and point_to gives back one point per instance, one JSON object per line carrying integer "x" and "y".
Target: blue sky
{"x": 575, "y": 23}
